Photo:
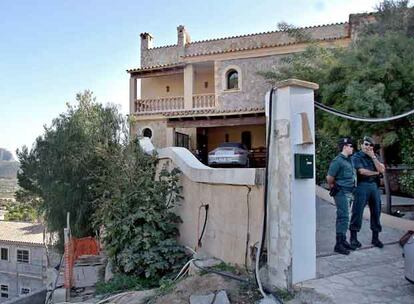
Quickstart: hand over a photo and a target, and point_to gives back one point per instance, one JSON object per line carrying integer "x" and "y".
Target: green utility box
{"x": 303, "y": 166}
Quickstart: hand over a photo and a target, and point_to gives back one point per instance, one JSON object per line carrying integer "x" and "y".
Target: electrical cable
{"x": 360, "y": 118}
{"x": 199, "y": 244}
{"x": 224, "y": 274}
{"x": 264, "y": 222}
{"x": 246, "y": 253}
{"x": 259, "y": 251}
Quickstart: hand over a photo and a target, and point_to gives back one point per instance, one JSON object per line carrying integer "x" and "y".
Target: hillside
{"x": 5, "y": 155}
{"x": 8, "y": 169}
{"x": 8, "y": 176}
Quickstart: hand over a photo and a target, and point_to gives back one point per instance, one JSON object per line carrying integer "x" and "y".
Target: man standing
{"x": 368, "y": 170}
{"x": 341, "y": 181}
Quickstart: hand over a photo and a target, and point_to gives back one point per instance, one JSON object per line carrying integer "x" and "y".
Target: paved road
{"x": 325, "y": 230}
{"x": 368, "y": 275}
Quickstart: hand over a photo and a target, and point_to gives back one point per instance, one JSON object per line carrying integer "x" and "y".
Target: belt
{"x": 348, "y": 189}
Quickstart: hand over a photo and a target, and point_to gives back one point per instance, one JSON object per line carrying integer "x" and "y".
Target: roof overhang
{"x": 157, "y": 70}
{"x": 228, "y": 119}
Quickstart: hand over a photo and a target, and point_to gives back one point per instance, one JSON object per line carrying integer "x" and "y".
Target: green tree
{"x": 86, "y": 163}
{"x": 372, "y": 77}
{"x": 60, "y": 171}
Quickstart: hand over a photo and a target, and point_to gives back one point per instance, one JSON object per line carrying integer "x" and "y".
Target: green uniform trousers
{"x": 366, "y": 193}
{"x": 343, "y": 200}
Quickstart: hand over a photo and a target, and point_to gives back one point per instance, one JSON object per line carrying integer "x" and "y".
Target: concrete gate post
{"x": 291, "y": 221}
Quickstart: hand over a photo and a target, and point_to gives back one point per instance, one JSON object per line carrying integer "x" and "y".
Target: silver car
{"x": 229, "y": 154}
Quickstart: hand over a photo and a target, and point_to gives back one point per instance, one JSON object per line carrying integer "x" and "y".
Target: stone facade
{"x": 157, "y": 127}
{"x": 160, "y": 56}
{"x": 253, "y": 86}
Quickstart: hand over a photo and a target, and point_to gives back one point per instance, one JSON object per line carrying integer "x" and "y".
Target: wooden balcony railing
{"x": 204, "y": 101}
{"x": 165, "y": 104}
{"x": 162, "y": 104}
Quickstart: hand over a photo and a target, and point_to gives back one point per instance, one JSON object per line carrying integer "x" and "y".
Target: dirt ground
{"x": 237, "y": 292}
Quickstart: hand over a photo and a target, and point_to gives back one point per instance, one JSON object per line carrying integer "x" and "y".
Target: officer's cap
{"x": 369, "y": 139}
{"x": 345, "y": 141}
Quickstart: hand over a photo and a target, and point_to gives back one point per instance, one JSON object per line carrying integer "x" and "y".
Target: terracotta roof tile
{"x": 21, "y": 232}
{"x": 156, "y": 67}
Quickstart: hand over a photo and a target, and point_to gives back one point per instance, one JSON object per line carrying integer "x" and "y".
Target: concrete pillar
{"x": 188, "y": 86}
{"x": 291, "y": 201}
{"x": 132, "y": 94}
{"x": 170, "y": 140}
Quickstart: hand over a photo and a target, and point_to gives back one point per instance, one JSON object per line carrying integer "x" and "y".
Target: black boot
{"x": 339, "y": 246}
{"x": 347, "y": 245}
{"x": 375, "y": 240}
{"x": 354, "y": 240}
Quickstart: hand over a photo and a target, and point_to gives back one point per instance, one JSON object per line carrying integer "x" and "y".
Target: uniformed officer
{"x": 368, "y": 170}
{"x": 341, "y": 181}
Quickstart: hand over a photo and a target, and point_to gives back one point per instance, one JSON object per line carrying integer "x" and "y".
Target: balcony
{"x": 176, "y": 103}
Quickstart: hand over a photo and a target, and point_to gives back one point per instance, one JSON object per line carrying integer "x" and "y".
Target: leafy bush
{"x": 407, "y": 153}
{"x": 20, "y": 212}
{"x": 140, "y": 228}
{"x": 122, "y": 282}
{"x": 326, "y": 150}
{"x": 407, "y": 183}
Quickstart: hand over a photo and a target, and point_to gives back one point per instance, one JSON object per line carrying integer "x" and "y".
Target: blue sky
{"x": 52, "y": 49}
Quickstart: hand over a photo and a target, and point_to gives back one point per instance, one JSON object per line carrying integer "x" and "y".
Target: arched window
{"x": 232, "y": 80}
{"x": 147, "y": 132}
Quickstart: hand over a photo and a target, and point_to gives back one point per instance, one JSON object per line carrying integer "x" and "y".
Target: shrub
{"x": 326, "y": 150}
{"x": 137, "y": 214}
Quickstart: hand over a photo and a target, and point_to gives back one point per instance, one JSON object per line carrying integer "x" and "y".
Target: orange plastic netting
{"x": 76, "y": 248}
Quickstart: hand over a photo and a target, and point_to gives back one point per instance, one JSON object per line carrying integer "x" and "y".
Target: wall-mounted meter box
{"x": 304, "y": 166}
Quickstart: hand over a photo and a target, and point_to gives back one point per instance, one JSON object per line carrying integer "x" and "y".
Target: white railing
{"x": 161, "y": 104}
{"x": 165, "y": 104}
{"x": 204, "y": 101}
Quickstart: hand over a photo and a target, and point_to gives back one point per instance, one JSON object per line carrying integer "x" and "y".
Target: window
{"x": 182, "y": 140}
{"x": 22, "y": 256}
{"x": 205, "y": 84}
{"x": 4, "y": 291}
{"x": 147, "y": 132}
{"x": 167, "y": 88}
{"x": 24, "y": 290}
{"x": 4, "y": 254}
{"x": 232, "y": 80}
{"x": 226, "y": 137}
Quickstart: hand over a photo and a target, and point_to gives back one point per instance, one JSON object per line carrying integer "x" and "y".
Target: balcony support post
{"x": 170, "y": 140}
{"x": 188, "y": 86}
{"x": 132, "y": 94}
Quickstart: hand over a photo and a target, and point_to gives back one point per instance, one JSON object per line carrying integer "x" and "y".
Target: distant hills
{"x": 6, "y": 155}
{"x": 8, "y": 166}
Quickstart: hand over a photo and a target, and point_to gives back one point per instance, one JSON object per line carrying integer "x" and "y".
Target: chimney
{"x": 183, "y": 37}
{"x": 146, "y": 41}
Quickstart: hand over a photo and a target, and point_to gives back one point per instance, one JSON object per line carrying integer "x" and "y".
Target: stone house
{"x": 202, "y": 93}
{"x": 22, "y": 259}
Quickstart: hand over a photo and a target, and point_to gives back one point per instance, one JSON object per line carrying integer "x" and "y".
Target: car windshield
{"x": 232, "y": 145}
